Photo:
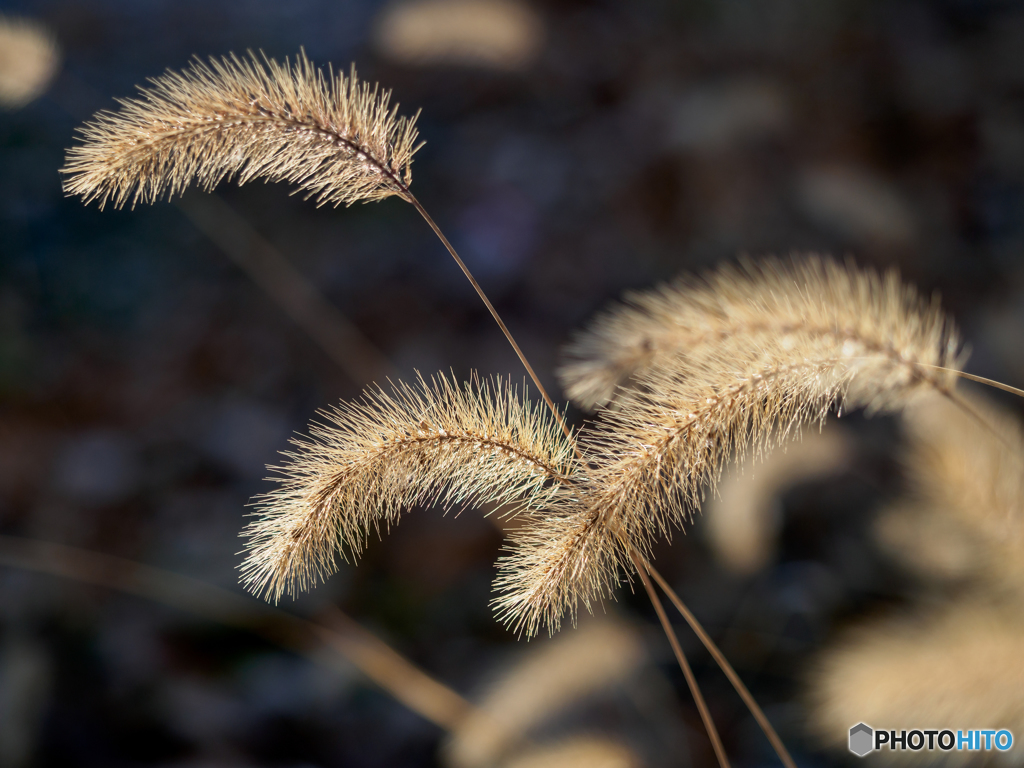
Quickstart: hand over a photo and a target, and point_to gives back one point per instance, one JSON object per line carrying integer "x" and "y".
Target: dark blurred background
{"x": 574, "y": 150}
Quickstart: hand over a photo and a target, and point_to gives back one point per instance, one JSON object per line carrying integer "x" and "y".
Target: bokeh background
{"x": 574, "y": 150}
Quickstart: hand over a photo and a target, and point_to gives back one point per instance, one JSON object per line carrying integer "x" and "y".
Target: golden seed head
{"x": 332, "y": 136}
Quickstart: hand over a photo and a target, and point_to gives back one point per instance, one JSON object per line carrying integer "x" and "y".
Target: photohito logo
{"x": 861, "y": 740}
{"x": 865, "y": 739}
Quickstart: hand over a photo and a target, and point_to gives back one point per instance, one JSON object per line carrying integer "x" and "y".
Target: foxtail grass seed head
{"x": 565, "y": 556}
{"x": 332, "y": 136}
{"x": 503, "y": 35}
{"x": 803, "y": 340}
{"x": 794, "y": 303}
{"x": 838, "y": 337}
{"x": 432, "y": 443}
{"x": 742, "y": 522}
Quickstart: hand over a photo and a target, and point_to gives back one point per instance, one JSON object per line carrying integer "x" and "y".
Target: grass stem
{"x": 490, "y": 308}
{"x": 406, "y": 682}
{"x": 698, "y": 698}
{"x": 725, "y": 666}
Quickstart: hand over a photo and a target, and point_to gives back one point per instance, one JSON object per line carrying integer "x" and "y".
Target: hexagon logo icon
{"x": 861, "y": 739}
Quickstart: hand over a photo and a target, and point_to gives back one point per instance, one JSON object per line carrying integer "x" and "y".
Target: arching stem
{"x": 960, "y": 402}
{"x": 978, "y": 379}
{"x": 490, "y": 308}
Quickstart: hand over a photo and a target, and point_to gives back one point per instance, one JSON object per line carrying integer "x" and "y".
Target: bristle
{"x": 563, "y": 557}
{"x": 433, "y": 443}
{"x": 330, "y": 135}
{"x": 737, "y": 307}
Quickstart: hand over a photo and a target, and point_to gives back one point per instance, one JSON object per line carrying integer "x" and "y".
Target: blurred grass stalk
{"x": 331, "y": 628}
{"x": 545, "y": 683}
{"x": 306, "y": 306}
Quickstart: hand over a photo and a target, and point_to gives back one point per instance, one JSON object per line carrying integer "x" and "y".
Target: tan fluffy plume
{"x": 641, "y": 470}
{"x": 537, "y": 691}
{"x": 955, "y": 668}
{"x": 967, "y": 495}
{"x": 961, "y": 529}
{"x": 735, "y": 307}
{"x": 840, "y": 336}
{"x": 245, "y": 118}
{"x": 743, "y": 518}
{"x": 29, "y": 60}
{"x": 433, "y": 443}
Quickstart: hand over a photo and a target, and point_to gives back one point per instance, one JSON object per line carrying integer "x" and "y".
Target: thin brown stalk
{"x": 389, "y": 669}
{"x": 725, "y": 666}
{"x": 963, "y": 403}
{"x": 494, "y": 313}
{"x": 691, "y": 681}
{"x": 978, "y": 379}
{"x": 666, "y": 625}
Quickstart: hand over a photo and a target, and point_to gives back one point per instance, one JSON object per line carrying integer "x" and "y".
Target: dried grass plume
{"x": 578, "y": 752}
{"x": 743, "y": 518}
{"x": 549, "y": 680}
{"x": 29, "y": 59}
{"x": 332, "y": 136}
{"x": 431, "y": 443}
{"x": 742, "y": 361}
{"x": 808, "y": 300}
{"x": 960, "y": 530}
{"x": 827, "y": 337}
{"x": 494, "y": 34}
{"x": 953, "y": 669}
{"x": 967, "y": 495}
